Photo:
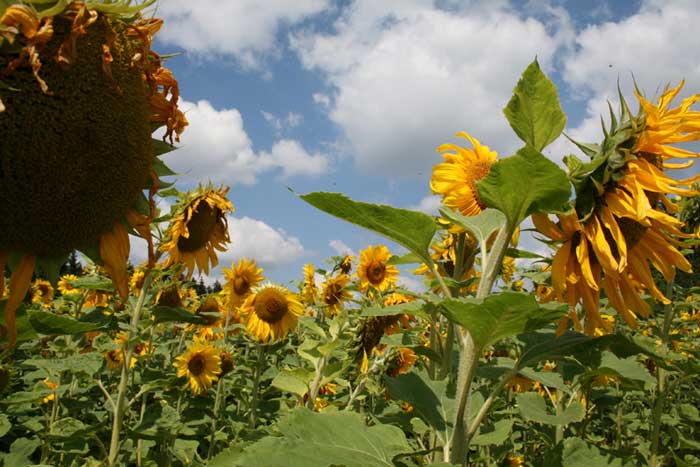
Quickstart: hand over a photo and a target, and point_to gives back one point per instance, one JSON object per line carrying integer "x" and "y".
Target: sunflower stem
{"x": 123, "y": 382}
{"x": 220, "y": 388}
{"x": 316, "y": 383}
{"x": 256, "y": 386}
{"x": 469, "y": 354}
{"x": 661, "y": 389}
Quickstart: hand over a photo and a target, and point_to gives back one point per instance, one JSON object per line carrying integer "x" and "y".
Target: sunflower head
{"x": 102, "y": 90}
{"x": 198, "y": 228}
{"x": 345, "y": 264}
{"x": 404, "y": 360}
{"x": 240, "y": 281}
{"x": 227, "y": 363}
{"x": 334, "y": 293}
{"x": 272, "y": 311}
{"x": 309, "y": 291}
{"x": 455, "y": 178}
{"x": 374, "y": 269}
{"x": 42, "y": 292}
{"x": 201, "y": 365}
{"x": 65, "y": 285}
{"x": 169, "y": 296}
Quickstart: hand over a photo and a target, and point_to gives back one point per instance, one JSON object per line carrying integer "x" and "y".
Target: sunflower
{"x": 309, "y": 290}
{"x": 445, "y": 256}
{"x": 198, "y": 228}
{"x": 52, "y": 386}
{"x": 42, "y": 292}
{"x": 404, "y": 360}
{"x": 373, "y": 269}
{"x": 114, "y": 359}
{"x": 201, "y": 364}
{"x": 136, "y": 281}
{"x": 621, "y": 223}
{"x": 455, "y": 178}
{"x": 89, "y": 67}
{"x": 65, "y": 285}
{"x": 345, "y": 264}
{"x": 334, "y": 293}
{"x": 272, "y": 311}
{"x": 169, "y": 296}
{"x": 215, "y": 314}
{"x": 240, "y": 281}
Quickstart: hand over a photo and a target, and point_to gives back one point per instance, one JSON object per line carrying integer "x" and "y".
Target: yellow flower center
{"x": 376, "y": 272}
{"x": 241, "y": 286}
{"x": 196, "y": 365}
{"x": 270, "y": 305}
{"x": 200, "y": 227}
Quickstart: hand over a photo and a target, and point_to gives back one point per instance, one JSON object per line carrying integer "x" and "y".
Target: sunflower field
{"x": 584, "y": 357}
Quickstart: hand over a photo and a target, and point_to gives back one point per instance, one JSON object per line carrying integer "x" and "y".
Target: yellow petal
{"x": 114, "y": 251}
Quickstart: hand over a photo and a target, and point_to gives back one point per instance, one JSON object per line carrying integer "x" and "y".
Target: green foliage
{"x": 414, "y": 230}
{"x": 500, "y": 315}
{"x": 524, "y": 183}
{"x": 534, "y": 112}
{"x": 321, "y": 440}
{"x": 533, "y": 407}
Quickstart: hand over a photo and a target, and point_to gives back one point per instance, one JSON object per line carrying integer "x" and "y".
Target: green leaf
{"x": 166, "y": 314}
{"x": 414, "y": 230}
{"x": 5, "y": 425}
{"x": 21, "y": 451}
{"x": 408, "y": 258}
{"x": 547, "y": 378}
{"x": 93, "y": 283}
{"x": 534, "y": 112}
{"x": 160, "y": 147}
{"x": 500, "y": 315}
{"x": 575, "y": 452}
{"x": 533, "y": 407}
{"x": 415, "y": 307}
{"x": 428, "y": 398}
{"x": 524, "y": 183}
{"x": 324, "y": 439}
{"x": 627, "y": 368}
{"x": 49, "y": 323}
{"x": 483, "y": 225}
{"x": 498, "y": 435}
{"x": 289, "y": 382}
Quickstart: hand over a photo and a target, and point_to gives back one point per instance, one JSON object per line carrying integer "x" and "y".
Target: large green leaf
{"x": 428, "y": 398}
{"x": 412, "y": 229}
{"x": 524, "y": 183}
{"x": 166, "y": 314}
{"x": 533, "y": 407}
{"x": 500, "y": 315}
{"x": 482, "y": 225}
{"x": 322, "y": 440}
{"x": 534, "y": 112}
{"x": 498, "y": 434}
{"x": 49, "y": 323}
{"x": 416, "y": 308}
{"x": 575, "y": 452}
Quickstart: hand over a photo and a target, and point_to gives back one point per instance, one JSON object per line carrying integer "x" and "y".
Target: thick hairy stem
{"x": 316, "y": 383}
{"x": 120, "y": 403}
{"x": 469, "y": 355}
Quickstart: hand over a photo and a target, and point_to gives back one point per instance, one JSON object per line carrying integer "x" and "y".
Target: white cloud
{"x": 428, "y": 205}
{"x": 340, "y": 247}
{"x": 658, "y": 45}
{"x": 322, "y": 99}
{"x": 216, "y": 147}
{"x": 245, "y": 29}
{"x": 411, "y": 283}
{"x": 293, "y": 159}
{"x": 253, "y": 238}
{"x": 407, "y": 76}
{"x": 291, "y": 120}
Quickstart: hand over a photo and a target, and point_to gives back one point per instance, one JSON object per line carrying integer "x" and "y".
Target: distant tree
{"x": 72, "y": 265}
{"x": 200, "y": 287}
{"x": 216, "y": 288}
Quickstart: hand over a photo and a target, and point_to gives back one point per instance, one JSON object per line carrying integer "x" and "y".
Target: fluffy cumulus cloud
{"x": 408, "y": 75}
{"x": 340, "y": 247}
{"x": 216, "y": 147}
{"x": 658, "y": 45}
{"x": 253, "y": 238}
{"x": 244, "y": 28}
{"x": 428, "y": 205}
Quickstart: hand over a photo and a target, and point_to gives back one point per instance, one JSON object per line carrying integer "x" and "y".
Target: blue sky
{"x": 355, "y": 96}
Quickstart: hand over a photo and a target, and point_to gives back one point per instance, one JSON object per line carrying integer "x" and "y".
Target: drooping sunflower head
{"x": 374, "y": 269}
{"x": 403, "y": 361}
{"x": 169, "y": 296}
{"x": 201, "y": 365}
{"x": 345, "y": 264}
{"x": 42, "y": 292}
{"x": 88, "y": 66}
{"x": 335, "y": 294}
{"x": 272, "y": 311}
{"x": 455, "y": 178}
{"x": 198, "y": 228}
{"x": 240, "y": 281}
